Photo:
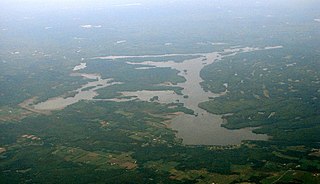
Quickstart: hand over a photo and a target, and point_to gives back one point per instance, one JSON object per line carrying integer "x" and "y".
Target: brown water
{"x": 60, "y": 102}
{"x": 205, "y": 128}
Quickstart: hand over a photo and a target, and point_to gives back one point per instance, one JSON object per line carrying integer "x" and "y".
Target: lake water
{"x": 202, "y": 129}
{"x": 205, "y": 128}
{"x": 60, "y": 102}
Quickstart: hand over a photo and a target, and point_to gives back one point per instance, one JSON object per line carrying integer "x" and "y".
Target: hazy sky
{"x": 51, "y": 4}
{"x": 54, "y": 4}
{"x": 77, "y": 3}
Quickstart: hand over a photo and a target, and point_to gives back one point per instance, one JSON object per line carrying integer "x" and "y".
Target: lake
{"x": 203, "y": 128}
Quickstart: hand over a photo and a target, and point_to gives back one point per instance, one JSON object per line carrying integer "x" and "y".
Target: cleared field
{"x": 102, "y": 161}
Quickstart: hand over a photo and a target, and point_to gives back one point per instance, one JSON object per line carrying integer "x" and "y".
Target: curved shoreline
{"x": 202, "y": 128}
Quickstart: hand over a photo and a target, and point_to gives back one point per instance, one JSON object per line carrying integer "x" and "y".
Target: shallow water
{"x": 60, "y": 102}
{"x": 205, "y": 128}
{"x": 202, "y": 128}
